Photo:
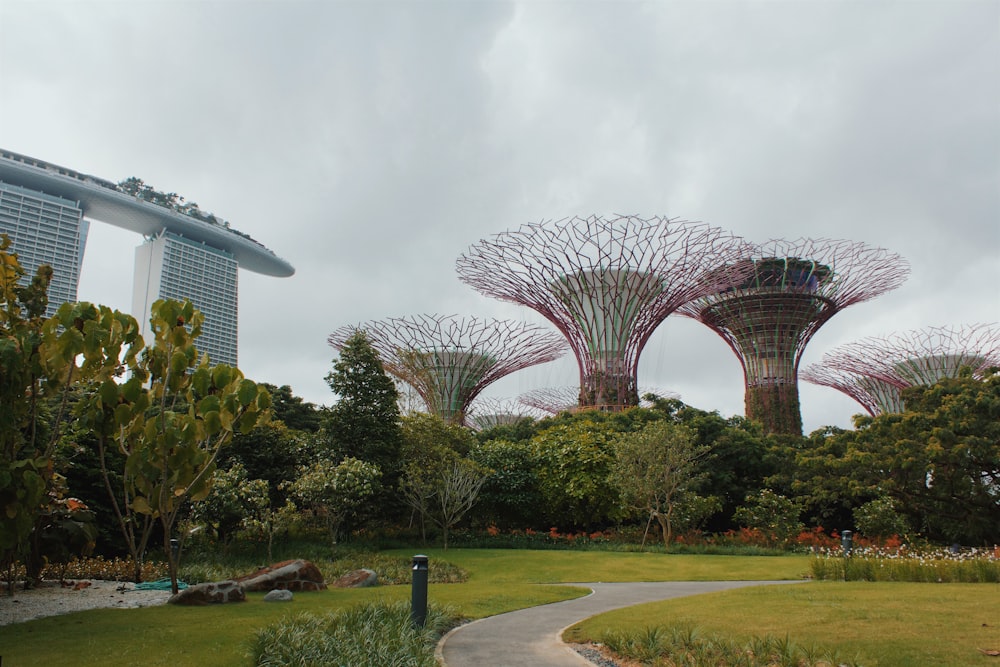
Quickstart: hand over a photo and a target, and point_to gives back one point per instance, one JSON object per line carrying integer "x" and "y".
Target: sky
{"x": 371, "y": 143}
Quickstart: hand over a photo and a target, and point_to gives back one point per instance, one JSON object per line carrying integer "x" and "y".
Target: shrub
{"x": 380, "y": 633}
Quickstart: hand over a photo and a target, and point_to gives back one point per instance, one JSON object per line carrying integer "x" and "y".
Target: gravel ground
{"x": 595, "y": 656}
{"x": 52, "y": 598}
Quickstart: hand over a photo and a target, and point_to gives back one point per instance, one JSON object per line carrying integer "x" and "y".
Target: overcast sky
{"x": 370, "y": 143}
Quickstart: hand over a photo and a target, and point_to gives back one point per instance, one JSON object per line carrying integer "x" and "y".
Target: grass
{"x": 223, "y": 635}
{"x": 502, "y": 566}
{"x": 909, "y": 619}
{"x": 891, "y": 625}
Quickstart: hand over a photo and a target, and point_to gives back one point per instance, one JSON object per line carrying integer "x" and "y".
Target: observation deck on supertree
{"x": 553, "y": 400}
{"x": 874, "y": 371}
{"x": 450, "y": 360}
{"x": 606, "y": 284}
{"x": 768, "y": 316}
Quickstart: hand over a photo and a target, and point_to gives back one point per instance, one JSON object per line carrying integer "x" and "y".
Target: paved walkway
{"x": 530, "y": 637}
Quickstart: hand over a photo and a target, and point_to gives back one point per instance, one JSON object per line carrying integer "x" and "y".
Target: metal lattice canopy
{"x": 553, "y": 400}
{"x": 790, "y": 290}
{"x": 605, "y": 283}
{"x": 875, "y": 395}
{"x": 488, "y": 411}
{"x": 914, "y": 358}
{"x": 450, "y": 360}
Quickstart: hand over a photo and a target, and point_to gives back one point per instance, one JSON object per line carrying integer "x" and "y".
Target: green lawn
{"x": 502, "y": 580}
{"x": 888, "y": 624}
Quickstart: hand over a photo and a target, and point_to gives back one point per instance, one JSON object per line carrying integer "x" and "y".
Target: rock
{"x": 357, "y": 579}
{"x": 218, "y": 592}
{"x": 291, "y": 575}
{"x": 278, "y": 595}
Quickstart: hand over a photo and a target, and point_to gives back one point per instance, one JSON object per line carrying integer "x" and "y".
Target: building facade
{"x": 169, "y": 266}
{"x": 187, "y": 253}
{"x": 45, "y": 229}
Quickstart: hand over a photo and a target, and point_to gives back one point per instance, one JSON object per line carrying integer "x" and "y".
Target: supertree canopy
{"x": 488, "y": 411}
{"x": 768, "y": 316}
{"x": 450, "y": 360}
{"x": 874, "y": 371}
{"x": 553, "y": 400}
{"x": 605, "y": 283}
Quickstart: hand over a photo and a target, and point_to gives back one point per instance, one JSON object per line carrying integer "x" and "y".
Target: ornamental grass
{"x": 901, "y": 564}
{"x": 379, "y": 633}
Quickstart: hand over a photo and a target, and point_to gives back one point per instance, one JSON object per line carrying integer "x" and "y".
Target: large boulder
{"x": 218, "y": 592}
{"x": 357, "y": 579}
{"x": 289, "y": 575}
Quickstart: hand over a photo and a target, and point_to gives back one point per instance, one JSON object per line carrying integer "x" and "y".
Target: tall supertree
{"x": 874, "y": 371}
{"x": 605, "y": 283}
{"x": 553, "y": 400}
{"x": 450, "y": 360}
{"x": 768, "y": 316}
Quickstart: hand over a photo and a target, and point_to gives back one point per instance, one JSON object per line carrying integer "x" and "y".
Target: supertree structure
{"x": 488, "y": 411}
{"x": 605, "y": 283}
{"x": 768, "y": 316}
{"x": 553, "y": 400}
{"x": 449, "y": 360}
{"x": 874, "y": 371}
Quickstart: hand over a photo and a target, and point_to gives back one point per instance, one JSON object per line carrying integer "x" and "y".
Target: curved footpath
{"x": 530, "y": 637}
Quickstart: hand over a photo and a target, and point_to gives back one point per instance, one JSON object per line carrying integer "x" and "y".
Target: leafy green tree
{"x": 441, "y": 487}
{"x": 334, "y": 490}
{"x": 575, "y": 462}
{"x": 939, "y": 460}
{"x": 880, "y": 518}
{"x": 170, "y": 419}
{"x": 41, "y": 361}
{"x": 271, "y": 452}
{"x": 231, "y": 503}
{"x": 292, "y": 411}
{"x": 364, "y": 422}
{"x": 659, "y": 471}
{"x": 510, "y": 498}
{"x": 741, "y": 459}
{"x": 774, "y": 515}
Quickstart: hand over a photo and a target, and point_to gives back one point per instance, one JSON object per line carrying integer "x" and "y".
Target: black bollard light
{"x": 847, "y": 545}
{"x": 418, "y": 603}
{"x": 175, "y": 549}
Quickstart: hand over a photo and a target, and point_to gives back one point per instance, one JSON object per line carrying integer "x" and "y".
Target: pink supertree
{"x": 769, "y": 316}
{"x": 874, "y": 371}
{"x": 553, "y": 400}
{"x": 606, "y": 284}
{"x": 488, "y": 412}
{"x": 449, "y": 360}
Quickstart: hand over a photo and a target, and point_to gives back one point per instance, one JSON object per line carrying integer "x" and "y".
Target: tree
{"x": 774, "y": 515}
{"x": 332, "y": 491}
{"x": 233, "y": 502}
{"x": 292, "y": 411}
{"x": 170, "y": 419}
{"x": 575, "y": 462}
{"x": 364, "y": 423}
{"x": 939, "y": 460}
{"x": 41, "y": 361}
{"x": 659, "y": 470}
{"x": 442, "y": 487}
{"x": 510, "y": 497}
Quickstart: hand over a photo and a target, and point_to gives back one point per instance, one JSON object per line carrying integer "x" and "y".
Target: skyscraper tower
{"x": 188, "y": 254}
{"x": 450, "y": 360}
{"x": 605, "y": 283}
{"x": 45, "y": 229}
{"x": 768, "y": 316}
{"x": 874, "y": 371}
